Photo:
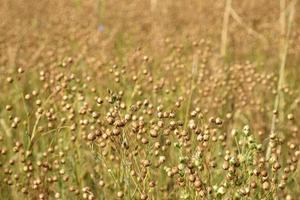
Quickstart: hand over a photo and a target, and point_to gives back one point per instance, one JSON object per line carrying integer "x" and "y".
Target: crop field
{"x": 149, "y": 99}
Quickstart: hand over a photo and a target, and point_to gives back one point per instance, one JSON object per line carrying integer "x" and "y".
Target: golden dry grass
{"x": 149, "y": 99}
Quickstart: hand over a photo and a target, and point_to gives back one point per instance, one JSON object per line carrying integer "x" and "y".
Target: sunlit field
{"x": 149, "y": 99}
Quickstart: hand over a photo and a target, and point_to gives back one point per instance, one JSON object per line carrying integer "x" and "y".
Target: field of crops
{"x": 149, "y": 99}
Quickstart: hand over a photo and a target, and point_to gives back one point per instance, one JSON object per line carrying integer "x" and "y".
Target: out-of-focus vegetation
{"x": 149, "y": 99}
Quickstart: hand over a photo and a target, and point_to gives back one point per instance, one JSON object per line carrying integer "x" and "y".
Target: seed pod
{"x": 266, "y": 185}
{"x": 153, "y": 133}
{"x": 120, "y": 194}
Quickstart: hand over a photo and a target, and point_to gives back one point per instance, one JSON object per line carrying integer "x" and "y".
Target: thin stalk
{"x": 283, "y": 58}
{"x": 252, "y": 32}
{"x": 153, "y": 5}
{"x": 224, "y": 35}
{"x": 192, "y": 88}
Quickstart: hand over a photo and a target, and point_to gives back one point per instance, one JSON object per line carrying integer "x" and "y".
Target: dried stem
{"x": 224, "y": 35}
{"x": 283, "y": 57}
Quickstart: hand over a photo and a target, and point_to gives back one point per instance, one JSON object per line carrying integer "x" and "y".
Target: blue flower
{"x": 101, "y": 28}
